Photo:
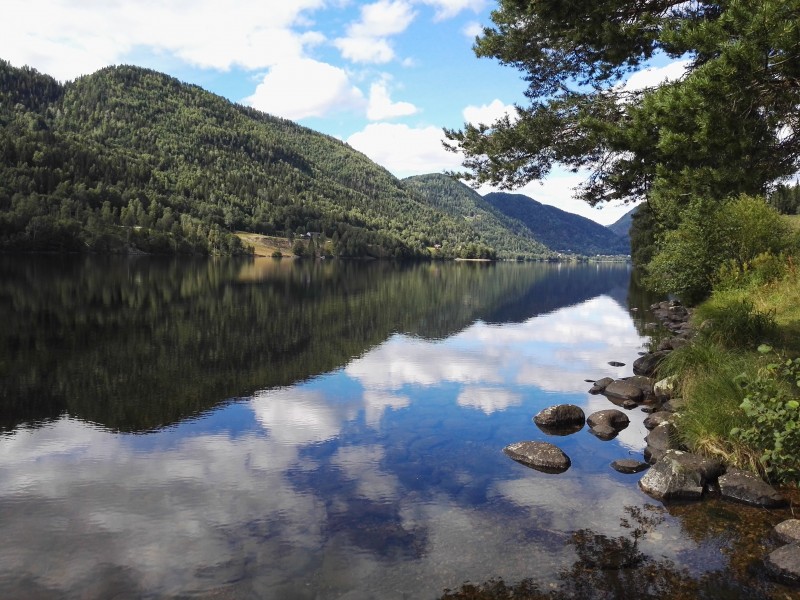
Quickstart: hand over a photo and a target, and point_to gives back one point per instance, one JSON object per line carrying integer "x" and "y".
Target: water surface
{"x": 279, "y": 429}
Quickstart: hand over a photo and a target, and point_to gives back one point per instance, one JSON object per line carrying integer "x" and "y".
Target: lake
{"x": 290, "y": 429}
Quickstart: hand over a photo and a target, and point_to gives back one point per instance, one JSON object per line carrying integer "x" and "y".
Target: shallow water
{"x": 280, "y": 429}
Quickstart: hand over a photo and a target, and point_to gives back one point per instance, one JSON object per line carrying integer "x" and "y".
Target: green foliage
{"x": 718, "y": 130}
{"x": 128, "y": 159}
{"x": 688, "y": 258}
{"x": 773, "y": 412}
{"x": 737, "y": 324}
{"x": 786, "y": 199}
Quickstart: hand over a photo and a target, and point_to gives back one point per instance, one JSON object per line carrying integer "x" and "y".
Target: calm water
{"x": 333, "y": 430}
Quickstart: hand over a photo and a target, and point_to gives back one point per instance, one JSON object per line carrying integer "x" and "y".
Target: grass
{"x": 731, "y": 325}
{"x": 265, "y": 245}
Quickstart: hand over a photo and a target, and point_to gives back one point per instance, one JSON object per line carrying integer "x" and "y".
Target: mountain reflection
{"x": 137, "y": 344}
{"x": 303, "y": 459}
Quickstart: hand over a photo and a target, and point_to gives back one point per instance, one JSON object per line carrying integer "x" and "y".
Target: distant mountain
{"x": 130, "y": 159}
{"x": 509, "y": 237}
{"x": 622, "y": 227}
{"x": 557, "y": 229}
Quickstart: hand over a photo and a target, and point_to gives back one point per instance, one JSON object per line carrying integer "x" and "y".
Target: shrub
{"x": 710, "y": 235}
{"x": 773, "y": 410}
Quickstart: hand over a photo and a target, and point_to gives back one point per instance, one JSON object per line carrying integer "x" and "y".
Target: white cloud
{"x": 367, "y": 39}
{"x": 558, "y": 189}
{"x": 446, "y": 9}
{"x": 488, "y": 399}
{"x": 488, "y": 114}
{"x": 654, "y": 76}
{"x": 303, "y": 88}
{"x": 472, "y": 30}
{"x": 381, "y": 106}
{"x": 405, "y": 150}
{"x": 67, "y": 39}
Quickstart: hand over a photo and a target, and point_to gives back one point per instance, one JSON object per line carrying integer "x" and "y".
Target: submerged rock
{"x": 680, "y": 476}
{"x": 616, "y": 363}
{"x": 541, "y": 456}
{"x": 560, "y": 417}
{"x": 749, "y": 488}
{"x": 600, "y": 385}
{"x": 629, "y": 465}
{"x": 783, "y": 564}
{"x": 616, "y": 419}
{"x": 788, "y": 531}
{"x": 624, "y": 390}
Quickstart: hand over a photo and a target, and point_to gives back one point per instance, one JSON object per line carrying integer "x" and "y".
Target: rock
{"x": 657, "y": 418}
{"x": 600, "y": 385}
{"x": 560, "y": 417}
{"x": 616, "y": 419}
{"x": 649, "y": 409}
{"x": 788, "y": 531}
{"x": 629, "y": 404}
{"x": 646, "y": 365}
{"x": 616, "y": 363}
{"x": 748, "y": 488}
{"x": 629, "y": 465}
{"x": 674, "y": 405}
{"x": 664, "y": 388}
{"x": 659, "y": 441}
{"x": 541, "y": 456}
{"x": 680, "y": 476}
{"x": 604, "y": 432}
{"x": 783, "y": 564}
{"x": 643, "y": 383}
{"x": 623, "y": 390}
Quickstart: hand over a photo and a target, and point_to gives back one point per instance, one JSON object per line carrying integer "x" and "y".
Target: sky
{"x": 385, "y": 76}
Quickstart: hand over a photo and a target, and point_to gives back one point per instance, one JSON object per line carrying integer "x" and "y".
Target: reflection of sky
{"x": 382, "y": 479}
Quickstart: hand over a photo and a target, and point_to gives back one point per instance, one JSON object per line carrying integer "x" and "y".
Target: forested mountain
{"x": 509, "y": 237}
{"x": 558, "y": 230}
{"x": 622, "y": 226}
{"x": 128, "y": 158}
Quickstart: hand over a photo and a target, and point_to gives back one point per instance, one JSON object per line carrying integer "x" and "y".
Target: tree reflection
{"x": 612, "y": 568}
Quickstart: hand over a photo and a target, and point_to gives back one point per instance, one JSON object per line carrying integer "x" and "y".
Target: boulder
{"x": 783, "y": 564}
{"x": 560, "y": 416}
{"x": 604, "y": 432}
{"x": 600, "y": 385}
{"x": 788, "y": 531}
{"x": 665, "y": 388}
{"x": 659, "y": 440}
{"x": 616, "y": 419}
{"x": 748, "y": 488}
{"x": 541, "y": 456}
{"x": 646, "y": 365}
{"x": 643, "y": 383}
{"x": 624, "y": 391}
{"x": 680, "y": 476}
{"x": 629, "y": 465}
{"x": 657, "y": 418}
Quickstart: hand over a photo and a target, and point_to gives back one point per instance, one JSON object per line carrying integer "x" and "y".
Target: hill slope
{"x": 557, "y": 229}
{"x": 131, "y": 158}
{"x": 622, "y": 227}
{"x": 509, "y": 237}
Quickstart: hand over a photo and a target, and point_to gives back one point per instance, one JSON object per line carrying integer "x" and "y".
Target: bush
{"x": 773, "y": 410}
{"x": 712, "y": 234}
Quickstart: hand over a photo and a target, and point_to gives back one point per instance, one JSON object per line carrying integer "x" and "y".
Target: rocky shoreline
{"x": 672, "y": 473}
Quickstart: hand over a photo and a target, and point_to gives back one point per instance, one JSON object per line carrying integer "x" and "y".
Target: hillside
{"x": 510, "y": 238}
{"x": 129, "y": 159}
{"x": 558, "y": 230}
{"x": 622, "y": 227}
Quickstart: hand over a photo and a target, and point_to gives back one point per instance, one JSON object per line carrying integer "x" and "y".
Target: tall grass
{"x": 709, "y": 375}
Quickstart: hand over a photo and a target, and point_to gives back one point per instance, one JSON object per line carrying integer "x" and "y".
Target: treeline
{"x": 129, "y": 159}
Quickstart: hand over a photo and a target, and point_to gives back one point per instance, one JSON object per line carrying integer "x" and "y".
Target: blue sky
{"x": 386, "y": 76}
